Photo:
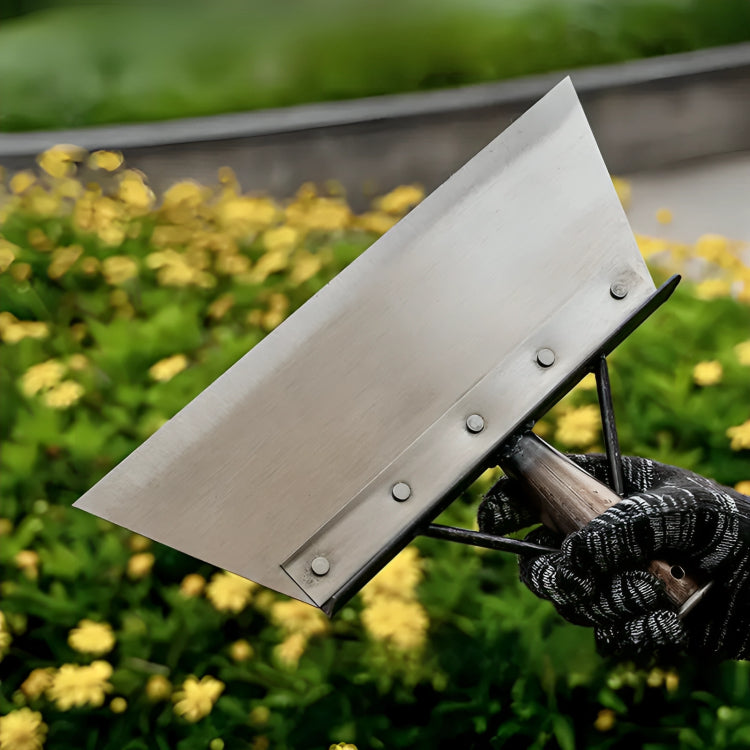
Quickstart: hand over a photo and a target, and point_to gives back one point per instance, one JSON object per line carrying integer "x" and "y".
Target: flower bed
{"x": 116, "y": 310}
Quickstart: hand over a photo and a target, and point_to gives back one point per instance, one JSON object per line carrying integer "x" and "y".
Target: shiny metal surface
{"x": 292, "y": 454}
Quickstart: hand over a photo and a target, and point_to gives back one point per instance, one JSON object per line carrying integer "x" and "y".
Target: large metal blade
{"x": 293, "y": 453}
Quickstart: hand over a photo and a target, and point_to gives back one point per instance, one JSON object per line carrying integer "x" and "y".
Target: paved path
{"x": 706, "y": 196}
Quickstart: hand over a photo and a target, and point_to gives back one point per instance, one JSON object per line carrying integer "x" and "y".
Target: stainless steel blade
{"x": 482, "y": 301}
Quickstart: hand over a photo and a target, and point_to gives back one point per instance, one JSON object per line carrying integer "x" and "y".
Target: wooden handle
{"x": 568, "y": 498}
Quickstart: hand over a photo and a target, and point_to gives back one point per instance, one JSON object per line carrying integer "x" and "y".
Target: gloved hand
{"x": 599, "y": 579}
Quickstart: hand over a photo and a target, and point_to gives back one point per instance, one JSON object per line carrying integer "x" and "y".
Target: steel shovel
{"x": 323, "y": 451}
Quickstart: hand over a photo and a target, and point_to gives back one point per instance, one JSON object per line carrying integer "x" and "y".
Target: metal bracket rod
{"x": 488, "y": 541}
{"x": 609, "y": 428}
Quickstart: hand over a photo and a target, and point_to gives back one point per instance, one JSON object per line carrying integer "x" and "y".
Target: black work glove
{"x": 599, "y": 579}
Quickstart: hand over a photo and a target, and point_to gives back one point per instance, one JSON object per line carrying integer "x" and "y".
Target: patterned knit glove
{"x": 598, "y": 577}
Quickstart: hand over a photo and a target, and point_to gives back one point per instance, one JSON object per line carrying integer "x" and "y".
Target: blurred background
{"x": 176, "y": 178}
{"x": 375, "y": 95}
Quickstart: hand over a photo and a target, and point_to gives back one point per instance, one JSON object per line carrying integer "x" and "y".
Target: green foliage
{"x": 499, "y": 667}
{"x": 116, "y": 62}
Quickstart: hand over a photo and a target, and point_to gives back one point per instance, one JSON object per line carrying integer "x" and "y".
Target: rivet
{"x": 618, "y": 290}
{"x": 320, "y": 566}
{"x": 545, "y": 358}
{"x": 401, "y": 491}
{"x": 475, "y": 423}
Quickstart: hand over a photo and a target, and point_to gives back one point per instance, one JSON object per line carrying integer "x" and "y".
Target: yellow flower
{"x": 712, "y": 247}
{"x": 304, "y": 267}
{"x": 713, "y": 288}
{"x": 42, "y": 377}
{"x": 59, "y": 161}
{"x": 605, "y": 720}
{"x": 139, "y": 543}
{"x": 28, "y": 561}
{"x": 588, "y": 383}
{"x": 655, "y": 678}
{"x": 69, "y": 187}
{"x": 740, "y": 436}
{"x": 92, "y": 638}
{"x": 708, "y": 373}
{"x": 13, "y": 330}
{"x": 400, "y": 200}
{"x": 652, "y": 245}
{"x": 671, "y": 681}
{"x": 5, "y": 638}
{"x": 8, "y": 253}
{"x": 743, "y": 487}
{"x": 399, "y": 622}
{"x": 229, "y": 592}
{"x": 578, "y": 427}
{"x": 280, "y": 239}
{"x": 742, "y": 351}
{"x": 62, "y": 260}
{"x": 169, "y": 234}
{"x": 140, "y": 564}
{"x": 255, "y": 317}
{"x": 21, "y": 181}
{"x": 118, "y": 269}
{"x": 37, "y": 683}
{"x": 22, "y": 730}
{"x": 232, "y": 264}
{"x": 186, "y": 191}
{"x": 278, "y": 302}
{"x": 134, "y": 192}
{"x": 221, "y": 306}
{"x": 64, "y": 395}
{"x": 377, "y": 222}
{"x": 243, "y": 215}
{"x": 272, "y": 319}
{"x": 267, "y": 264}
{"x": 399, "y": 578}
{"x": 158, "y": 688}
{"x": 74, "y": 685}
{"x": 166, "y": 369}
{"x": 342, "y": 746}
{"x": 623, "y": 190}
{"x": 111, "y": 234}
{"x": 118, "y": 705}
{"x": 241, "y": 650}
{"x": 90, "y": 265}
{"x": 107, "y": 160}
{"x": 264, "y": 600}
{"x": 7, "y": 320}
{"x": 664, "y": 216}
{"x": 174, "y": 269}
{"x": 319, "y": 214}
{"x": 196, "y": 699}
{"x": 192, "y": 585}
{"x": 77, "y": 362}
{"x": 290, "y": 650}
{"x": 43, "y": 203}
{"x": 297, "y": 617}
